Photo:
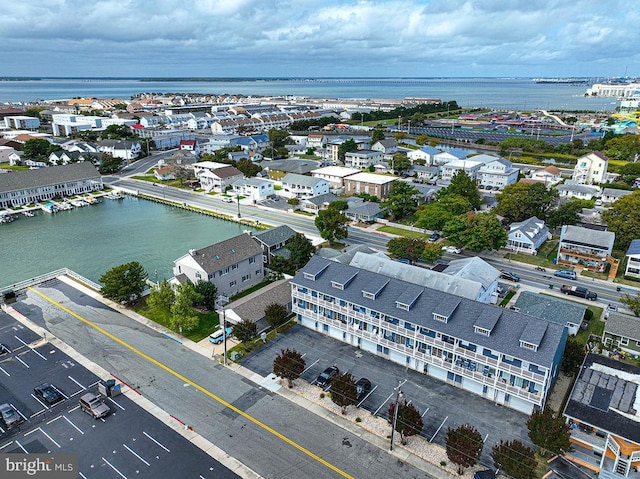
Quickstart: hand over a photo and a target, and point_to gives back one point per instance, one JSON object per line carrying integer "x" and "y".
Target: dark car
{"x": 48, "y": 394}
{"x": 327, "y": 376}
{"x": 10, "y": 417}
{"x": 434, "y": 237}
{"x": 509, "y": 275}
{"x": 363, "y": 386}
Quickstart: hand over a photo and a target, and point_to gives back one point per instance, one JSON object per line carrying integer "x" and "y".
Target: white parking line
{"x": 82, "y": 475}
{"x": 156, "y": 441}
{"x": 72, "y": 424}
{"x": 6, "y": 445}
{"x": 77, "y": 382}
{"x": 5, "y": 372}
{"x": 2, "y": 430}
{"x": 113, "y": 467}
{"x": 434, "y": 435}
{"x": 310, "y": 366}
{"x": 20, "y": 359}
{"x": 49, "y": 437}
{"x": 27, "y": 346}
{"x": 385, "y": 401}
{"x": 111, "y": 399}
{"x": 365, "y": 398}
{"x": 135, "y": 454}
{"x": 19, "y": 412}
{"x": 485, "y": 439}
{"x": 41, "y": 403}
{"x": 425, "y": 412}
{"x": 54, "y": 420}
{"x": 61, "y": 393}
{"x": 22, "y": 447}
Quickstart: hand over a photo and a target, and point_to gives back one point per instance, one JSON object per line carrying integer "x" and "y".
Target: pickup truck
{"x": 579, "y": 291}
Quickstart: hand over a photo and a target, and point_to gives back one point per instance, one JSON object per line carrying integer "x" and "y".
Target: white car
{"x": 227, "y": 199}
{"x": 451, "y": 249}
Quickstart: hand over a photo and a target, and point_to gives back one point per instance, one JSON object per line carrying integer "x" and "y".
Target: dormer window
{"x": 526, "y": 345}
{"x": 482, "y": 331}
{"x": 440, "y": 317}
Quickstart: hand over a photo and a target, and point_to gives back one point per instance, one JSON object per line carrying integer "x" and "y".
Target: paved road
{"x": 261, "y": 429}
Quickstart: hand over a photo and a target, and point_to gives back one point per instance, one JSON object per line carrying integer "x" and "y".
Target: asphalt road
{"x": 266, "y": 432}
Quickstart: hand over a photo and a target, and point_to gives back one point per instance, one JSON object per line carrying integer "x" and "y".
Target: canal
{"x": 93, "y": 239}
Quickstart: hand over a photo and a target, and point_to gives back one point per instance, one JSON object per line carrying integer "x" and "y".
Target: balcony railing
{"x": 601, "y": 256}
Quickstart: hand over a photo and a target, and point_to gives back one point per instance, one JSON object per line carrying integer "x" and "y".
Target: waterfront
{"x": 503, "y": 93}
{"x": 93, "y": 239}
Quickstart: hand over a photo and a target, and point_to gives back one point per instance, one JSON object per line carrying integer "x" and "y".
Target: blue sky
{"x": 330, "y": 38}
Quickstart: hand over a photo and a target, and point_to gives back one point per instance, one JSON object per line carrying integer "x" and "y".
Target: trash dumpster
{"x": 106, "y": 387}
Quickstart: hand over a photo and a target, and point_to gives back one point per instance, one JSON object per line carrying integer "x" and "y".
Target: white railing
{"x": 49, "y": 276}
{"x": 613, "y": 445}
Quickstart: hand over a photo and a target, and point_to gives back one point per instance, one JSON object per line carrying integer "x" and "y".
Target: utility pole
{"x": 395, "y": 415}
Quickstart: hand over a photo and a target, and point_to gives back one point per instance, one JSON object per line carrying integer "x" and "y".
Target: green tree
{"x": 183, "y": 314}
{"x": 280, "y": 264}
{"x": 245, "y": 330}
{"x": 109, "y": 164}
{"x": 401, "y": 201}
{"x": 462, "y": 184}
{"x": 119, "y": 132}
{"x": 549, "y": 431}
{"x": 124, "y": 283}
{"x": 161, "y": 297}
{"x": 623, "y": 147}
{"x": 464, "y": 446}
{"x": 248, "y": 168}
{"x": 279, "y": 138}
{"x": 623, "y": 218}
{"x": 477, "y": 231}
{"x": 422, "y": 139}
{"x": 332, "y": 224}
{"x": 38, "y": 149}
{"x": 435, "y": 215}
{"x": 572, "y": 357}
{"x": 632, "y": 302}
{"x": 289, "y": 365}
{"x": 345, "y": 147}
{"x": 409, "y": 421}
{"x": 630, "y": 172}
{"x": 34, "y": 112}
{"x": 343, "y": 391}
{"x": 515, "y": 459}
{"x": 209, "y": 293}
{"x": 376, "y": 136}
{"x": 520, "y": 201}
{"x": 276, "y": 315}
{"x": 401, "y": 163}
{"x": 403, "y": 247}
{"x": 432, "y": 252}
{"x": 567, "y": 213}
{"x": 300, "y": 250}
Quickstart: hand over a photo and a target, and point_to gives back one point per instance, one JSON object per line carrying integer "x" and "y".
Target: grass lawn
{"x": 546, "y": 255}
{"x": 304, "y": 213}
{"x": 208, "y": 321}
{"x": 507, "y": 298}
{"x": 402, "y": 232}
{"x": 244, "y": 349}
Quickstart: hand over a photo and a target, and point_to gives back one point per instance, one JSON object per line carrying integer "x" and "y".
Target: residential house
{"x": 581, "y": 192}
{"x": 317, "y": 203}
{"x": 611, "y": 195}
{"x": 316, "y": 140}
{"x": 497, "y": 173}
{"x": 165, "y": 139}
{"x": 425, "y": 173}
{"x": 505, "y": 357}
{"x": 556, "y": 310}
{"x": 335, "y": 175}
{"x": 585, "y": 247}
{"x": 334, "y": 144}
{"x": 233, "y": 265}
{"x": 254, "y": 143}
{"x": 603, "y": 414}
{"x": 527, "y": 236}
{"x": 622, "y": 331}
{"x": 32, "y": 186}
{"x": 633, "y": 259}
{"x": 9, "y": 155}
{"x": 127, "y": 150}
{"x": 370, "y": 183}
{"x": 426, "y": 154}
{"x": 190, "y": 146}
{"x": 21, "y": 122}
{"x": 302, "y": 187}
{"x": 63, "y": 157}
{"x": 469, "y": 165}
{"x": 591, "y": 169}
{"x": 365, "y": 212}
{"x": 549, "y": 175}
{"x": 257, "y": 189}
{"x": 278, "y": 169}
{"x": 446, "y": 156}
{"x": 273, "y": 242}
{"x": 165, "y": 173}
{"x": 252, "y": 307}
{"x": 388, "y": 147}
{"x": 362, "y": 158}
{"x": 217, "y": 179}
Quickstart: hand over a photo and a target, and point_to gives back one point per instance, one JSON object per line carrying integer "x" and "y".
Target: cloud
{"x": 314, "y": 38}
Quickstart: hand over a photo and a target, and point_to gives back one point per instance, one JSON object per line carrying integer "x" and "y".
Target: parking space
{"x": 129, "y": 442}
{"x": 442, "y": 405}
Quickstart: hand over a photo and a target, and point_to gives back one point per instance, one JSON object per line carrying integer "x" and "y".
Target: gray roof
{"x": 370, "y": 208}
{"x": 225, "y": 253}
{"x": 463, "y": 313}
{"x": 291, "y": 166}
{"x": 274, "y": 236}
{"x": 253, "y": 305}
{"x": 474, "y": 269}
{"x": 346, "y": 255}
{"x": 587, "y": 237}
{"x": 624, "y": 325}
{"x": 634, "y": 247}
{"x": 530, "y": 228}
{"x": 577, "y": 188}
{"x": 119, "y": 144}
{"x": 616, "y": 193}
{"x": 552, "y": 309}
{"x": 301, "y": 180}
{"x": 322, "y": 199}
{"x": 251, "y": 181}
{"x": 52, "y": 175}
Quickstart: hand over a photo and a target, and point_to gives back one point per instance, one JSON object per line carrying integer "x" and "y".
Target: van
{"x": 217, "y": 336}
{"x": 565, "y": 273}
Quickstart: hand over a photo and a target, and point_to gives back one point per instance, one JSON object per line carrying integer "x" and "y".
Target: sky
{"x": 329, "y": 38}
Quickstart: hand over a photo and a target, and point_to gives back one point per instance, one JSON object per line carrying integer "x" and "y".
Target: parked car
{"x": 504, "y": 274}
{"x": 451, "y": 249}
{"x": 227, "y": 199}
{"x": 48, "y": 393}
{"x": 434, "y": 237}
{"x": 217, "y": 337}
{"x": 609, "y": 309}
{"x": 579, "y": 291}
{"x": 565, "y": 273}
{"x": 363, "y": 386}
{"x": 10, "y": 417}
{"x": 94, "y": 405}
{"x": 326, "y": 376}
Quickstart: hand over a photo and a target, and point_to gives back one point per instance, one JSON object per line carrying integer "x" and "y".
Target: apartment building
{"x": 591, "y": 169}
{"x": 585, "y": 247}
{"x": 501, "y": 355}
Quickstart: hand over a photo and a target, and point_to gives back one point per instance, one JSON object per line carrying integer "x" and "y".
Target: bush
{"x": 588, "y": 315}
{"x": 358, "y": 419}
{"x": 443, "y": 463}
{"x": 293, "y": 201}
{"x": 321, "y": 395}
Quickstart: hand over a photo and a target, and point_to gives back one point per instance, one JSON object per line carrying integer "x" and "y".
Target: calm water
{"x": 514, "y": 93}
{"x": 93, "y": 239}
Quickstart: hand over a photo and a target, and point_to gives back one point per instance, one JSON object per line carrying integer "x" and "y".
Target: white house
{"x": 302, "y": 186}
{"x": 579, "y": 191}
{"x": 335, "y": 175}
{"x": 633, "y": 259}
{"x": 527, "y": 236}
{"x": 497, "y": 173}
{"x": 550, "y": 175}
{"x": 591, "y": 169}
{"x": 362, "y": 158}
{"x": 217, "y": 179}
{"x": 469, "y": 165}
{"x": 127, "y": 150}
{"x": 426, "y": 154}
{"x": 610, "y": 195}
{"x": 255, "y": 188}
{"x": 449, "y": 155}
{"x": 388, "y": 147}
{"x": 20, "y": 122}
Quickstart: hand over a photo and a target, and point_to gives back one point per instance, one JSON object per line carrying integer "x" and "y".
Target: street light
{"x": 238, "y": 198}
{"x": 224, "y": 333}
{"x": 395, "y": 415}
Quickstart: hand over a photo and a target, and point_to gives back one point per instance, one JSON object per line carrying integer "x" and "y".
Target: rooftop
{"x": 19, "y": 180}
{"x": 552, "y": 309}
{"x": 372, "y": 178}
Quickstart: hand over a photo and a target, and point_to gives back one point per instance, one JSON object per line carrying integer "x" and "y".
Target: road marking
{"x": 112, "y": 400}
{"x": 21, "y": 447}
{"x": 434, "y": 435}
{"x": 53, "y": 420}
{"x": 113, "y": 467}
{"x": 77, "y": 382}
{"x": 60, "y": 392}
{"x": 310, "y": 366}
{"x": 26, "y": 345}
{"x": 6, "y": 445}
{"x": 49, "y": 437}
{"x": 82, "y": 475}
{"x": 41, "y": 403}
{"x": 425, "y": 412}
{"x": 73, "y": 425}
{"x": 20, "y": 359}
{"x": 365, "y": 398}
{"x": 154, "y": 440}
{"x": 5, "y": 372}
{"x": 215, "y": 397}
{"x": 135, "y": 454}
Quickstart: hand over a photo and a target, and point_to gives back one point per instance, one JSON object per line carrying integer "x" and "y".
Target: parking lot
{"x": 442, "y": 405}
{"x": 129, "y": 442}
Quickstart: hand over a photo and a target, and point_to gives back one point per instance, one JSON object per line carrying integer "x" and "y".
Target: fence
{"x": 48, "y": 277}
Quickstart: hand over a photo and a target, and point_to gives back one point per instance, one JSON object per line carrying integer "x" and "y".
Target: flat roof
{"x": 372, "y": 178}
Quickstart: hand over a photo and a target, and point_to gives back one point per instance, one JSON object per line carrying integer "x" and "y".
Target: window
{"x": 232, "y": 284}
{"x": 483, "y": 331}
{"x": 224, "y": 271}
{"x": 257, "y": 272}
{"x": 624, "y": 341}
{"x": 439, "y": 317}
{"x": 198, "y": 275}
{"x": 246, "y": 277}
{"x": 252, "y": 260}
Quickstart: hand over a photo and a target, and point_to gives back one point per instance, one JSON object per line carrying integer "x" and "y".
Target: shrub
{"x": 358, "y": 419}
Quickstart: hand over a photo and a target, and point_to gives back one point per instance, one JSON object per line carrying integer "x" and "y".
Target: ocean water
{"x": 501, "y": 93}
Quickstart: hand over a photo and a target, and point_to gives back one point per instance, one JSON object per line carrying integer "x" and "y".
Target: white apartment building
{"x": 22, "y": 122}
{"x": 591, "y": 169}
{"x": 362, "y": 158}
{"x": 499, "y": 172}
{"x": 302, "y": 186}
